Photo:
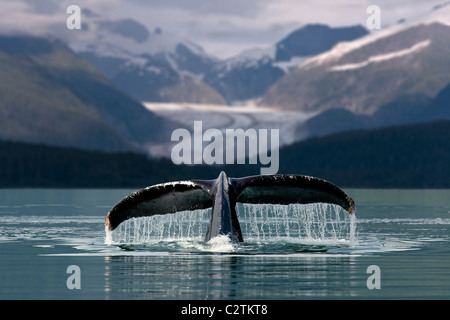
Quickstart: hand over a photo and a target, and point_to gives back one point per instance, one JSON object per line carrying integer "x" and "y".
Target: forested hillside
{"x": 415, "y": 156}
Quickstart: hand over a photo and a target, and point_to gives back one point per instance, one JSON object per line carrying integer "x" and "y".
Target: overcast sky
{"x": 222, "y": 27}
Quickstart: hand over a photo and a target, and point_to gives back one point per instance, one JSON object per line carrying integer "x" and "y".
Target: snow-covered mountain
{"x": 148, "y": 65}
{"x": 244, "y": 77}
{"x": 158, "y": 67}
{"x": 409, "y": 59}
{"x": 250, "y": 74}
{"x": 315, "y": 67}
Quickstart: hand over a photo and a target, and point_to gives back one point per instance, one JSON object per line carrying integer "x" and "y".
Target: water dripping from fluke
{"x": 302, "y": 228}
{"x": 222, "y": 195}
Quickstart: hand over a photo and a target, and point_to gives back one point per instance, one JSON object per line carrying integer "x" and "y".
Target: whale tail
{"x": 222, "y": 194}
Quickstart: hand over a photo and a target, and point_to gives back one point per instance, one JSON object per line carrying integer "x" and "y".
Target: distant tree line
{"x": 33, "y": 165}
{"x": 416, "y": 156}
{"x": 413, "y": 156}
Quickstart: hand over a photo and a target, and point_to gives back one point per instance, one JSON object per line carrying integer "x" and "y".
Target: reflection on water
{"x": 228, "y": 277}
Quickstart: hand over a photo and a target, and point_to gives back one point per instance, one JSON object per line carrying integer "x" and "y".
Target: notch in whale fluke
{"x": 222, "y": 194}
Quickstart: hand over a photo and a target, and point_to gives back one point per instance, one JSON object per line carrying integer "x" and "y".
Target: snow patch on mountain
{"x": 286, "y": 66}
{"x": 382, "y": 57}
{"x": 342, "y": 48}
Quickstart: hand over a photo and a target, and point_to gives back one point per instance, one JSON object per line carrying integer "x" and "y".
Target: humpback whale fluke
{"x": 222, "y": 194}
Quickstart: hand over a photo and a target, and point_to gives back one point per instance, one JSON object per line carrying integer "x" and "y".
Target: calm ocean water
{"x": 53, "y": 246}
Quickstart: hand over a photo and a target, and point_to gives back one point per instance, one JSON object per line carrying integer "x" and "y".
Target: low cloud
{"x": 223, "y": 28}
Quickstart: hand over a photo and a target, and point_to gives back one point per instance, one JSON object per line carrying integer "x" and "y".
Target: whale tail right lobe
{"x": 287, "y": 189}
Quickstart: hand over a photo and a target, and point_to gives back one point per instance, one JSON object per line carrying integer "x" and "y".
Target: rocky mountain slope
{"x": 404, "y": 111}
{"x": 50, "y": 95}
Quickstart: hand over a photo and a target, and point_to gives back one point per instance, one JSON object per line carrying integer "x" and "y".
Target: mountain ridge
{"x": 313, "y": 39}
{"x": 145, "y": 74}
